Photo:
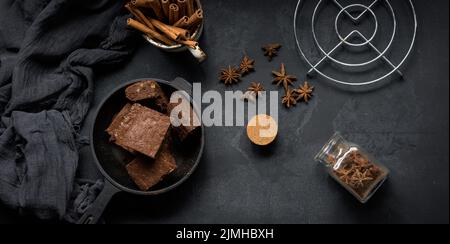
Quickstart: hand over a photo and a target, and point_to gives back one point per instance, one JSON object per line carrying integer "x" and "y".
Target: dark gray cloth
{"x": 49, "y": 50}
{"x": 83, "y": 195}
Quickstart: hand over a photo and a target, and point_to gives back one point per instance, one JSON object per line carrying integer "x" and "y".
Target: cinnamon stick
{"x": 174, "y": 33}
{"x": 165, "y": 4}
{"x": 174, "y": 13}
{"x": 189, "y": 43}
{"x": 182, "y": 4}
{"x": 182, "y": 23}
{"x": 139, "y": 15}
{"x": 153, "y": 4}
{"x": 151, "y": 33}
{"x": 195, "y": 19}
{"x": 185, "y": 34}
{"x": 190, "y": 9}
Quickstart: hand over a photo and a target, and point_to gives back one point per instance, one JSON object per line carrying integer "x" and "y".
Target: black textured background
{"x": 405, "y": 125}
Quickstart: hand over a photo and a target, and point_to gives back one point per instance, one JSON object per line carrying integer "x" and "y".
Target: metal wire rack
{"x": 345, "y": 41}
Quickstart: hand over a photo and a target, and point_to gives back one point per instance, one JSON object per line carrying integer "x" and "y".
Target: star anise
{"x": 345, "y": 175}
{"x": 247, "y": 65}
{"x": 345, "y": 172}
{"x": 374, "y": 171}
{"x": 331, "y": 160}
{"x": 359, "y": 178}
{"x": 361, "y": 160}
{"x": 253, "y": 92}
{"x": 281, "y": 78}
{"x": 271, "y": 50}
{"x": 289, "y": 99}
{"x": 256, "y": 88}
{"x": 305, "y": 92}
{"x": 230, "y": 75}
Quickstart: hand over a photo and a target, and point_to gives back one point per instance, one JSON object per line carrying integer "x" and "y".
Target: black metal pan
{"x": 111, "y": 160}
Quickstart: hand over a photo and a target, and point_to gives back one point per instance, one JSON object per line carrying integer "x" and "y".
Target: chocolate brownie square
{"x": 187, "y": 117}
{"x": 117, "y": 120}
{"x": 140, "y": 129}
{"x": 146, "y": 172}
{"x": 151, "y": 91}
{"x": 148, "y": 90}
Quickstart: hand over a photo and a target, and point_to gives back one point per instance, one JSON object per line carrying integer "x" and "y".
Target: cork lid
{"x": 262, "y": 130}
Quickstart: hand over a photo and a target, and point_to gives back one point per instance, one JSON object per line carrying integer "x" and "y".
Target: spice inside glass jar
{"x": 352, "y": 167}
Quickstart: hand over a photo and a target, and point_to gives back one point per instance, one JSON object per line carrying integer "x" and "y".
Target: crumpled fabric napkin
{"x": 49, "y": 50}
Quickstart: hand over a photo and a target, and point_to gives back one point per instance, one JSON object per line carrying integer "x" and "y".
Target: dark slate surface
{"x": 405, "y": 124}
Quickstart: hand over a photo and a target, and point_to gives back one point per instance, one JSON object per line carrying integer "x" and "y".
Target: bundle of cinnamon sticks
{"x": 170, "y": 22}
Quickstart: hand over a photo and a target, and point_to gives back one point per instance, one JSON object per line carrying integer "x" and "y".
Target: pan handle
{"x": 182, "y": 85}
{"x": 94, "y": 213}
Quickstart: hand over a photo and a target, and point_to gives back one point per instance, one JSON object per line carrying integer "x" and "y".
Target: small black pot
{"x": 111, "y": 160}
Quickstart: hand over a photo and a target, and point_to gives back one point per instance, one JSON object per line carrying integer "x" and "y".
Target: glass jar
{"x": 352, "y": 167}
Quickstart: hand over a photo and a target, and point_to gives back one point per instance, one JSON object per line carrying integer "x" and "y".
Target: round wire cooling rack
{"x": 344, "y": 40}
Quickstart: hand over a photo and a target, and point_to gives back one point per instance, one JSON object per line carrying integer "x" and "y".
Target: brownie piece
{"x": 151, "y": 90}
{"x": 146, "y": 173}
{"x": 148, "y": 90}
{"x": 183, "y": 132}
{"x": 117, "y": 120}
{"x": 140, "y": 129}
